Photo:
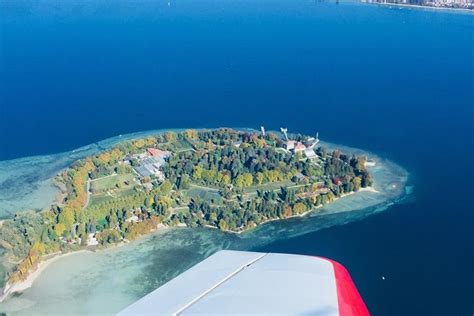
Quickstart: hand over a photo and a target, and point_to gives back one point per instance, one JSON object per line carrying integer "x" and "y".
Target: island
{"x": 226, "y": 179}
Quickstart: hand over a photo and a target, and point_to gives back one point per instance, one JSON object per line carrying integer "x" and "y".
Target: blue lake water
{"x": 397, "y": 82}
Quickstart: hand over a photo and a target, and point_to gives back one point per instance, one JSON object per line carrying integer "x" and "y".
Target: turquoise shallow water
{"x": 394, "y": 81}
{"x": 107, "y": 281}
{"x": 26, "y": 183}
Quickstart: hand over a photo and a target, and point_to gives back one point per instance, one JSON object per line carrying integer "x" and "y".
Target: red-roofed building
{"x": 154, "y": 152}
{"x": 299, "y": 147}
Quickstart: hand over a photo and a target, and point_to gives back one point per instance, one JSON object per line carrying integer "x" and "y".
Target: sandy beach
{"x": 47, "y": 260}
{"x": 29, "y": 287}
{"x": 30, "y": 279}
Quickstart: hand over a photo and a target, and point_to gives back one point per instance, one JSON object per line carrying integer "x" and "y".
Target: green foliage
{"x": 224, "y": 178}
{"x": 20, "y": 233}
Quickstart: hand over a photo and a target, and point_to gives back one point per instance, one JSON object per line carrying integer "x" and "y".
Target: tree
{"x": 38, "y": 248}
{"x": 81, "y": 230}
{"x": 139, "y": 143}
{"x": 149, "y": 201}
{"x": 284, "y": 193}
{"x": 239, "y": 181}
{"x": 226, "y": 179}
{"x": 259, "y": 177}
{"x": 59, "y": 229}
{"x": 165, "y": 201}
{"x": 66, "y": 217}
{"x": 287, "y": 211}
{"x": 104, "y": 158}
{"x": 191, "y": 133}
{"x": 248, "y": 179}
{"x": 150, "y": 141}
{"x": 108, "y": 236}
{"x": 357, "y": 183}
{"x": 299, "y": 208}
{"x": 45, "y": 236}
{"x": 113, "y": 220}
{"x": 197, "y": 172}
{"x": 213, "y": 217}
{"x": 170, "y": 136}
{"x": 223, "y": 225}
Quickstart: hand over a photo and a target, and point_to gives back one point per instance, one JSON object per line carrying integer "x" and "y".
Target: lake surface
{"x": 397, "y": 82}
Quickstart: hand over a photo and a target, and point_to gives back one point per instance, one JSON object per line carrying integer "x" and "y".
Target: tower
{"x": 284, "y": 131}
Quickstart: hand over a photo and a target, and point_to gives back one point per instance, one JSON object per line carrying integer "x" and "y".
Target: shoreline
{"x": 366, "y": 189}
{"x": 47, "y": 260}
{"x": 21, "y": 286}
{"x": 417, "y": 6}
{"x": 23, "y": 165}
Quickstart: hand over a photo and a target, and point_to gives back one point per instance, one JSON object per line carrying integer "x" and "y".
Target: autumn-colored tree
{"x": 38, "y": 248}
{"x": 150, "y": 141}
{"x": 191, "y": 133}
{"x": 248, "y": 179}
{"x": 66, "y": 217}
{"x": 223, "y": 225}
{"x": 170, "y": 136}
{"x": 330, "y": 196}
{"x": 357, "y": 183}
{"x": 59, "y": 229}
{"x": 299, "y": 208}
{"x": 149, "y": 201}
{"x": 108, "y": 236}
{"x": 166, "y": 201}
{"x": 115, "y": 154}
{"x": 239, "y": 181}
{"x": 197, "y": 172}
{"x": 140, "y": 143}
{"x": 104, "y": 158}
{"x": 226, "y": 179}
{"x": 209, "y": 145}
{"x": 287, "y": 211}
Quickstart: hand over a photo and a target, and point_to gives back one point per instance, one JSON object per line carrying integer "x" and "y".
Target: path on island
{"x": 88, "y": 196}
{"x": 192, "y": 185}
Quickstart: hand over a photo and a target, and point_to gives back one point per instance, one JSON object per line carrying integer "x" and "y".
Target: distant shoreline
{"x": 417, "y": 6}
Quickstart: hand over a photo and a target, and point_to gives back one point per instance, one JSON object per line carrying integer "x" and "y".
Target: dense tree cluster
{"x": 251, "y": 177}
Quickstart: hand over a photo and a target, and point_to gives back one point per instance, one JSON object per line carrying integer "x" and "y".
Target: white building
{"x": 91, "y": 240}
{"x": 309, "y": 153}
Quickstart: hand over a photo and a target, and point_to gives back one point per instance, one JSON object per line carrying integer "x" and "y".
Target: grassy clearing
{"x": 182, "y": 145}
{"x": 204, "y": 193}
{"x": 176, "y": 146}
{"x": 112, "y": 182}
{"x": 108, "y": 196}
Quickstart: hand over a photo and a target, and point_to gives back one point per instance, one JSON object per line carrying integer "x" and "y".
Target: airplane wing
{"x": 239, "y": 282}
